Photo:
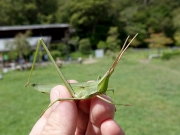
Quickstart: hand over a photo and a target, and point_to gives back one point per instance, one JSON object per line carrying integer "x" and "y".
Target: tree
{"x": 85, "y": 46}
{"x": 177, "y": 38}
{"x": 20, "y": 45}
{"x": 91, "y": 18}
{"x": 61, "y": 47}
{"x": 176, "y": 19}
{"x": 102, "y": 45}
{"x": 139, "y": 17}
{"x": 21, "y": 12}
{"x": 62, "y": 14}
{"x": 158, "y": 40}
{"x": 113, "y": 41}
{"x": 74, "y": 42}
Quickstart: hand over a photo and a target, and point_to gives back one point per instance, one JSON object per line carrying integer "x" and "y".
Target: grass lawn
{"x": 152, "y": 87}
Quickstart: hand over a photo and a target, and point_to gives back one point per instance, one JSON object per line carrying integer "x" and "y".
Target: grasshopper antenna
{"x": 123, "y": 49}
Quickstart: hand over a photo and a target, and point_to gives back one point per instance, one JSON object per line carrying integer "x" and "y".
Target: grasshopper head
{"x": 103, "y": 84}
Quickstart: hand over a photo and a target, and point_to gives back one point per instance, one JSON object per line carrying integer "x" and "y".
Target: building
{"x": 49, "y": 32}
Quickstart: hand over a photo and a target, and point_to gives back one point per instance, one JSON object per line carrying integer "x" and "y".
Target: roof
{"x": 56, "y": 31}
{"x": 37, "y": 26}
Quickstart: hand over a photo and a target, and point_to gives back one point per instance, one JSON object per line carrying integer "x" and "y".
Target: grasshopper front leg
{"x": 40, "y": 41}
{"x": 110, "y": 102}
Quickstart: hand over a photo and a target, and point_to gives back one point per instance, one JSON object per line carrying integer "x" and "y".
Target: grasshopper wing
{"x": 44, "y": 87}
{"x": 82, "y": 90}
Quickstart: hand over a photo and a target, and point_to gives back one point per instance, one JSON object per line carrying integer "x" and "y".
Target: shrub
{"x": 168, "y": 55}
{"x": 55, "y": 54}
{"x": 61, "y": 47}
{"x": 85, "y": 46}
{"x": 102, "y": 45}
{"x": 113, "y": 41}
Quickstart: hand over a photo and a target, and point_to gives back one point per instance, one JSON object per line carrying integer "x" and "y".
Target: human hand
{"x": 91, "y": 117}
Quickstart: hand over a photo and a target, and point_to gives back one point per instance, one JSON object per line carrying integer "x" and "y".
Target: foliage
{"x": 85, "y": 46}
{"x": 55, "y": 54}
{"x": 93, "y": 18}
{"x": 61, "y": 47}
{"x": 112, "y": 41}
{"x": 158, "y": 40}
{"x": 135, "y": 43}
{"x": 27, "y": 12}
{"x": 89, "y": 18}
{"x": 102, "y": 45}
{"x": 168, "y": 55}
{"x": 62, "y": 14}
{"x": 177, "y": 38}
{"x": 74, "y": 41}
{"x": 176, "y": 18}
{"x": 19, "y": 46}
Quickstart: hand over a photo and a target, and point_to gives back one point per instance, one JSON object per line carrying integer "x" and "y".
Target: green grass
{"x": 151, "y": 87}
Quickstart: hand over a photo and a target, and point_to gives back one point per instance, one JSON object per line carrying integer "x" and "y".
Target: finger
{"x": 99, "y": 112}
{"x": 38, "y": 127}
{"x": 55, "y": 94}
{"x": 92, "y": 129}
{"x": 72, "y": 81}
{"x": 63, "y": 117}
{"x": 110, "y": 127}
{"x": 83, "y": 116}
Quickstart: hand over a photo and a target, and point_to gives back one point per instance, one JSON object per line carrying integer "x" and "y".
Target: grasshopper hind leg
{"x": 112, "y": 90}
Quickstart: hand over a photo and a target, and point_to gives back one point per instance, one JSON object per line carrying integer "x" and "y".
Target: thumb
{"x": 63, "y": 116}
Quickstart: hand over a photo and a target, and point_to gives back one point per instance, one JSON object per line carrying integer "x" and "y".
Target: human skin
{"x": 83, "y": 117}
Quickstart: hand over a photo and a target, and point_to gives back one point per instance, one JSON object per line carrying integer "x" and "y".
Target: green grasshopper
{"x": 80, "y": 91}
